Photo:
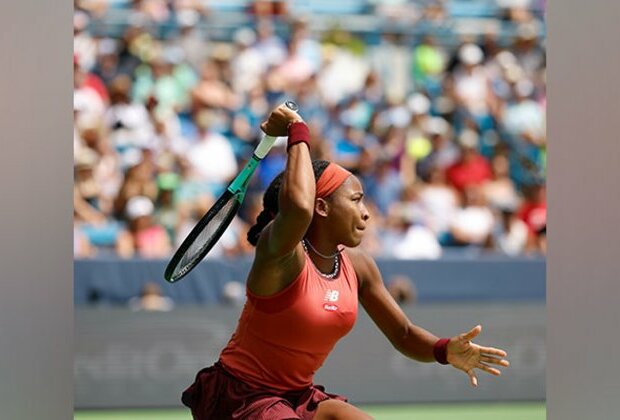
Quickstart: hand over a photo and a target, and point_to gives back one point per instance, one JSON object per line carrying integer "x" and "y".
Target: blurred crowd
{"x": 448, "y": 138}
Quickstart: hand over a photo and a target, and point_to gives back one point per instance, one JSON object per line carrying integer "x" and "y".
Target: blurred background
{"x": 438, "y": 106}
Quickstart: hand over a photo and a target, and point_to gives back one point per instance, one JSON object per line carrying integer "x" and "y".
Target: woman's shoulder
{"x": 363, "y": 264}
{"x": 357, "y": 255}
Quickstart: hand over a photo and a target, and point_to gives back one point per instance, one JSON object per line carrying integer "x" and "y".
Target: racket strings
{"x": 205, "y": 239}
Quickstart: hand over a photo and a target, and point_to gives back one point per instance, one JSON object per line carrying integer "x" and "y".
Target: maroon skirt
{"x": 217, "y": 395}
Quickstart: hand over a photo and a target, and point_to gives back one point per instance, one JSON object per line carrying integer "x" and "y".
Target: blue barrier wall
{"x": 114, "y": 281}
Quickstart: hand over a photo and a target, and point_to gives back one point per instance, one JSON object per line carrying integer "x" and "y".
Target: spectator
{"x": 166, "y": 209}
{"x": 443, "y": 153}
{"x": 139, "y": 180}
{"x": 95, "y": 232}
{"x": 525, "y": 117}
{"x": 86, "y": 185}
{"x": 89, "y": 95}
{"x": 129, "y": 122}
{"x": 410, "y": 239}
{"x": 307, "y": 47}
{"x": 269, "y": 44}
{"x": 429, "y": 61}
{"x": 212, "y": 158}
{"x": 472, "y": 84}
{"x": 84, "y": 45}
{"x": 533, "y": 210}
{"x": 82, "y": 248}
{"x": 500, "y": 191}
{"x": 441, "y": 201}
{"x": 384, "y": 186}
{"x": 211, "y": 91}
{"x": 152, "y": 104}
{"x": 391, "y": 60}
{"x": 166, "y": 78}
{"x": 402, "y": 289}
{"x": 191, "y": 40}
{"x": 541, "y": 240}
{"x": 417, "y": 240}
{"x": 295, "y": 68}
{"x": 107, "y": 66}
{"x": 473, "y": 223}
{"x": 510, "y": 234}
{"x": 147, "y": 239}
{"x": 151, "y": 299}
{"x": 233, "y": 293}
{"x": 248, "y": 66}
{"x": 472, "y": 168}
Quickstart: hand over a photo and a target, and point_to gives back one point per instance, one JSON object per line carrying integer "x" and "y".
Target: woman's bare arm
{"x": 279, "y": 257}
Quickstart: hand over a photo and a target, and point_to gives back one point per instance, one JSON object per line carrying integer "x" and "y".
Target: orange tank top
{"x": 282, "y": 340}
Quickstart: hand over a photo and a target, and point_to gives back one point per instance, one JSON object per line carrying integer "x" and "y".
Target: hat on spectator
{"x": 80, "y": 103}
{"x": 418, "y": 104}
{"x": 437, "y": 126}
{"x": 139, "y": 206}
{"x": 468, "y": 139}
{"x": 245, "y": 37}
{"x": 470, "y": 54}
{"x": 527, "y": 31}
{"x": 222, "y": 52}
{"x": 514, "y": 73}
{"x": 80, "y": 20}
{"x": 505, "y": 205}
{"x": 86, "y": 158}
{"x": 506, "y": 59}
{"x": 524, "y": 88}
{"x": 187, "y": 18}
{"x": 173, "y": 55}
{"x": 398, "y": 116}
{"x": 107, "y": 46}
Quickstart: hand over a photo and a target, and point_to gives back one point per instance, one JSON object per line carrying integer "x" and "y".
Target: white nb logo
{"x": 332, "y": 295}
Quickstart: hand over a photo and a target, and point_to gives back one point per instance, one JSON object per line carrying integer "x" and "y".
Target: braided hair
{"x": 270, "y": 201}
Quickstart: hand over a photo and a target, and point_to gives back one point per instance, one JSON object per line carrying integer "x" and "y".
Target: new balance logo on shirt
{"x": 331, "y": 295}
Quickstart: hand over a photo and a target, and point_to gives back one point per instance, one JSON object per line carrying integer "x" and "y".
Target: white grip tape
{"x": 264, "y": 146}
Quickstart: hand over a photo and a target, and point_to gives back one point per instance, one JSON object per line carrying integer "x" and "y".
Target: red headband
{"x": 332, "y": 177}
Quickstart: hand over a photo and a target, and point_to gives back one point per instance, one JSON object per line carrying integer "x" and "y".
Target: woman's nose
{"x": 365, "y": 214}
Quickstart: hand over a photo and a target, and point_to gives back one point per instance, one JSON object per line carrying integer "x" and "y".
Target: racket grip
{"x": 267, "y": 142}
{"x": 264, "y": 146}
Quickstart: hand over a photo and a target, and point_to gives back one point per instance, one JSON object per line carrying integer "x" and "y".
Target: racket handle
{"x": 264, "y": 146}
{"x": 267, "y": 142}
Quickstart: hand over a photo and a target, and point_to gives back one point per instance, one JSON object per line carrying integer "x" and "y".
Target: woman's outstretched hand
{"x": 467, "y": 356}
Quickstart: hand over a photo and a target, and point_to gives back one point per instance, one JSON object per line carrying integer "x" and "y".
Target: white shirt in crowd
{"x": 474, "y": 222}
{"x": 419, "y": 242}
{"x": 213, "y": 159}
{"x": 441, "y": 204}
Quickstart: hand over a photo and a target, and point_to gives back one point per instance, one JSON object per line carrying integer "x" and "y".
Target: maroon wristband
{"x": 440, "y": 350}
{"x": 298, "y": 132}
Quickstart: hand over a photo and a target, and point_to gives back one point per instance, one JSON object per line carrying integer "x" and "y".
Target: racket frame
{"x": 236, "y": 190}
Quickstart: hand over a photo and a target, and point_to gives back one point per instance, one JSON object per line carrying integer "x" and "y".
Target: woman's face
{"x": 348, "y": 215}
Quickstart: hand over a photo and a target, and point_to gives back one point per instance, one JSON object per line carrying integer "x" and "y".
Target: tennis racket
{"x": 213, "y": 224}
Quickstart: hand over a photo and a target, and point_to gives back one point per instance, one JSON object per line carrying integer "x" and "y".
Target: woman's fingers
{"x": 495, "y": 361}
{"x": 493, "y": 351}
{"x": 468, "y": 336}
{"x": 488, "y": 369}
{"x": 472, "y": 378}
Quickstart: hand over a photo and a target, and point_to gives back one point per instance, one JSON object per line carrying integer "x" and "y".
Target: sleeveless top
{"x": 283, "y": 339}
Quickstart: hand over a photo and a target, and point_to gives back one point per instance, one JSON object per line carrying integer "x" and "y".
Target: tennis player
{"x": 302, "y": 296}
